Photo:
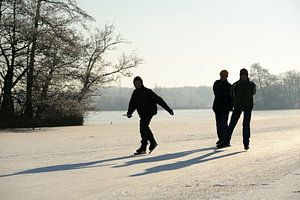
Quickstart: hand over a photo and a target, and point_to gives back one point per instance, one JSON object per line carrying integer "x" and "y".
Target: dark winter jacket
{"x": 145, "y": 100}
{"x": 223, "y": 99}
{"x": 242, "y": 93}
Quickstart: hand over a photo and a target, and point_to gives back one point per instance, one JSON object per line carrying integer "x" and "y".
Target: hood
{"x": 138, "y": 78}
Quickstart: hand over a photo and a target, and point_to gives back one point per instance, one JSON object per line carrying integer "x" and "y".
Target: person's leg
{"x": 218, "y": 117}
{"x": 150, "y": 136}
{"x": 246, "y": 128}
{"x": 224, "y": 125}
{"x": 233, "y": 121}
{"x": 148, "y": 132}
{"x": 143, "y": 131}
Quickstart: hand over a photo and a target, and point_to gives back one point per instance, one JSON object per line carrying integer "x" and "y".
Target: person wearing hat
{"x": 145, "y": 101}
{"x": 242, "y": 93}
{"x": 222, "y": 105}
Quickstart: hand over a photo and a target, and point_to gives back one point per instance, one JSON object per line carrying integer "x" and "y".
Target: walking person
{"x": 222, "y": 105}
{"x": 242, "y": 92}
{"x": 145, "y": 101}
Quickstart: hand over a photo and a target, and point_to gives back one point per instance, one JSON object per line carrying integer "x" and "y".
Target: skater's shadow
{"x": 64, "y": 167}
{"x": 185, "y": 163}
{"x": 97, "y": 163}
{"x": 164, "y": 157}
{"x": 172, "y": 166}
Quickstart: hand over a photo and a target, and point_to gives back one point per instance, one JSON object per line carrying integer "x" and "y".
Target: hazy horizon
{"x": 187, "y": 43}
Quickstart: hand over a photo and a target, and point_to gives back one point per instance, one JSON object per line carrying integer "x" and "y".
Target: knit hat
{"x": 244, "y": 71}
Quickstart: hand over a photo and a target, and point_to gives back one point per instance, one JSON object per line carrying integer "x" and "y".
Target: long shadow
{"x": 65, "y": 167}
{"x": 183, "y": 164}
{"x": 75, "y": 166}
{"x": 92, "y": 164}
{"x": 164, "y": 157}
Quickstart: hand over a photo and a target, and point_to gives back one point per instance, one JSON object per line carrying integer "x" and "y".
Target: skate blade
{"x": 139, "y": 154}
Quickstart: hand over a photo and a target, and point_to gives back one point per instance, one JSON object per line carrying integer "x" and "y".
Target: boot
{"x": 152, "y": 147}
{"x": 141, "y": 150}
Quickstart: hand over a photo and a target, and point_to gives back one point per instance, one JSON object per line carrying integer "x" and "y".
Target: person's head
{"x": 138, "y": 82}
{"x": 224, "y": 74}
{"x": 243, "y": 74}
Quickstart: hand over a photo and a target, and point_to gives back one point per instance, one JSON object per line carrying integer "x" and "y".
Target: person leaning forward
{"x": 145, "y": 101}
{"x": 222, "y": 105}
{"x": 242, "y": 92}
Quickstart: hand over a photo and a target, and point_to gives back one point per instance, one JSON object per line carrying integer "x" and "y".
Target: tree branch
{"x": 6, "y": 58}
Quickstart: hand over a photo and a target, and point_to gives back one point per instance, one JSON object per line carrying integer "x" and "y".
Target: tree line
{"x": 273, "y": 92}
{"x": 117, "y": 98}
{"x": 53, "y": 55}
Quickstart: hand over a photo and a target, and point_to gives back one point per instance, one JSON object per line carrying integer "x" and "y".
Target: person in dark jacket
{"x": 222, "y": 105}
{"x": 242, "y": 92}
{"x": 145, "y": 101}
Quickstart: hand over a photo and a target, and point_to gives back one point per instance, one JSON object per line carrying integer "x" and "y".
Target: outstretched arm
{"x": 157, "y": 99}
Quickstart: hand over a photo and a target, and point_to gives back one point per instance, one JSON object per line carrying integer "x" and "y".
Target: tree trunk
{"x": 28, "y": 107}
{"x": 7, "y": 107}
{"x": 41, "y": 107}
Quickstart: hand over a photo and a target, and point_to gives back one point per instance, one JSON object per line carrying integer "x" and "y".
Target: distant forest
{"x": 272, "y": 92}
{"x": 117, "y": 98}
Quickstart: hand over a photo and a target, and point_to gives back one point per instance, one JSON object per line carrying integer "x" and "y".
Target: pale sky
{"x": 187, "y": 42}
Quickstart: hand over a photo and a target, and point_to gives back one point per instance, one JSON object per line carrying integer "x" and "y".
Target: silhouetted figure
{"x": 144, "y": 100}
{"x": 242, "y": 92}
{"x": 222, "y": 105}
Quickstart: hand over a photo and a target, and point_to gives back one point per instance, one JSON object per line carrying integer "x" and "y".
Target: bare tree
{"x": 12, "y": 46}
{"x": 291, "y": 83}
{"x": 95, "y": 70}
{"x": 48, "y": 64}
{"x": 263, "y": 79}
{"x": 55, "y": 69}
{"x": 65, "y": 9}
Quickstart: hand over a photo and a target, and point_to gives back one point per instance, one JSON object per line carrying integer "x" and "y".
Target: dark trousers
{"x": 222, "y": 125}
{"x": 146, "y": 133}
{"x": 246, "y": 125}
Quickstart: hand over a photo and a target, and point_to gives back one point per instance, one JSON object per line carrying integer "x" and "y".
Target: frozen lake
{"x": 107, "y": 117}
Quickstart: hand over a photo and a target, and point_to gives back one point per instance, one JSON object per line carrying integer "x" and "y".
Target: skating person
{"x": 242, "y": 92}
{"x": 222, "y": 105}
{"x": 145, "y": 101}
